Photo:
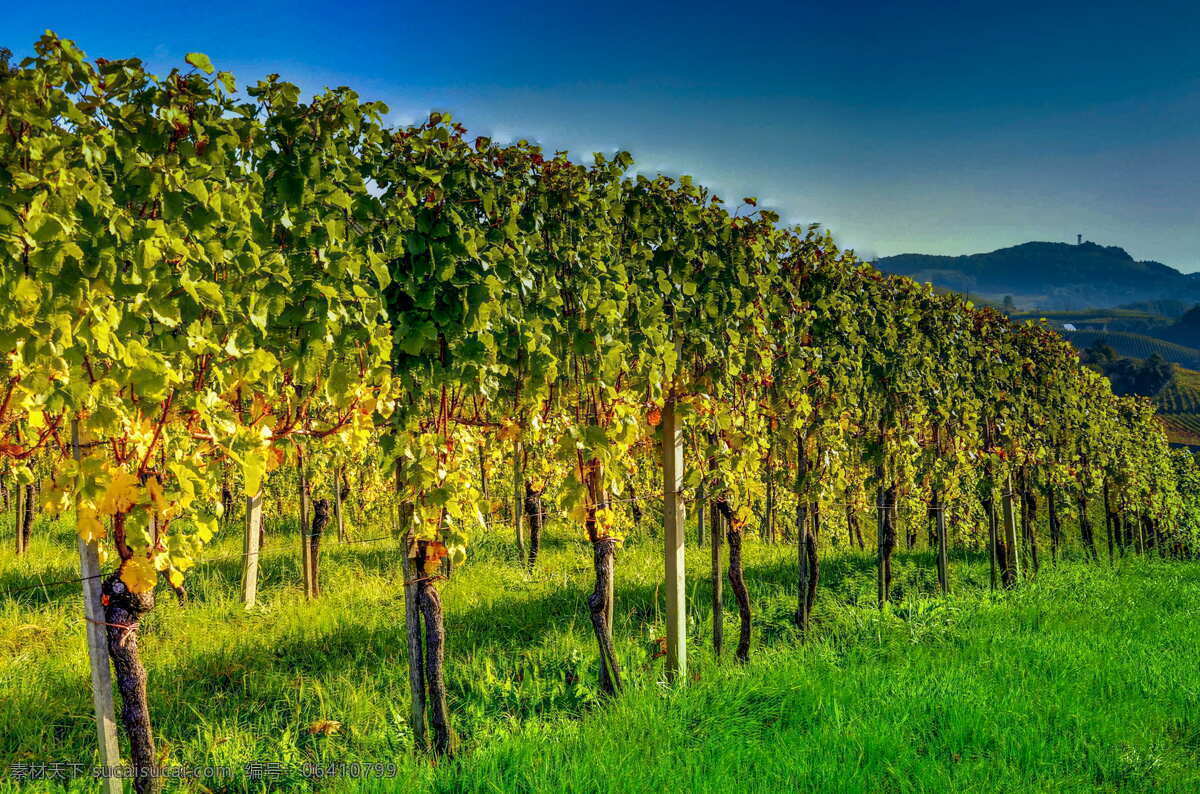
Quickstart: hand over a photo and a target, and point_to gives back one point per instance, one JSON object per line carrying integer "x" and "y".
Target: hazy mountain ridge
{"x": 1058, "y": 276}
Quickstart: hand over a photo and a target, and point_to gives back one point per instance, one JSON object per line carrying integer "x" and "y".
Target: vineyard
{"x": 1182, "y": 395}
{"x": 1182, "y": 428}
{"x": 464, "y": 436}
{"x": 1179, "y": 412}
{"x": 1137, "y": 346}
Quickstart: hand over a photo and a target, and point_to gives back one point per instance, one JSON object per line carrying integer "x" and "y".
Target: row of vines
{"x": 206, "y": 287}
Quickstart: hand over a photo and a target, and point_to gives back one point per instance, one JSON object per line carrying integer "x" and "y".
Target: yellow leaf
{"x": 157, "y": 498}
{"x": 325, "y": 728}
{"x": 254, "y": 468}
{"x": 509, "y": 430}
{"x": 742, "y": 517}
{"x": 120, "y": 494}
{"x": 89, "y": 526}
{"x": 138, "y": 574}
{"x": 54, "y": 498}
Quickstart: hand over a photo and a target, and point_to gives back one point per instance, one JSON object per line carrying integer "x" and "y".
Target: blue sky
{"x": 935, "y": 127}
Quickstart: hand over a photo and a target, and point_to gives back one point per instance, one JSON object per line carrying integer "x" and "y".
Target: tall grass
{"x": 1082, "y": 679}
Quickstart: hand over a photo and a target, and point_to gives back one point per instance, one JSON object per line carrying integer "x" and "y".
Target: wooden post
{"x": 715, "y": 531}
{"x": 881, "y": 593}
{"x": 97, "y": 643}
{"x": 1108, "y": 521}
{"x": 251, "y": 549}
{"x": 412, "y": 618}
{"x": 674, "y": 535}
{"x": 610, "y": 598}
{"x": 305, "y": 530}
{"x": 942, "y": 562}
{"x": 1011, "y": 539}
{"x": 803, "y": 569}
{"x": 993, "y": 535}
{"x": 771, "y": 506}
{"x": 518, "y": 500}
{"x": 19, "y": 521}
{"x": 483, "y": 478}
{"x": 337, "y": 506}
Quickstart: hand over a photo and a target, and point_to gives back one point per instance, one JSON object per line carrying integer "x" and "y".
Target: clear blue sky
{"x": 936, "y": 127}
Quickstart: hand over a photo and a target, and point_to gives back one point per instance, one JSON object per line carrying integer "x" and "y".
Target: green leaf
{"x": 27, "y": 290}
{"x": 49, "y": 229}
{"x": 166, "y": 311}
{"x": 198, "y": 190}
{"x": 200, "y": 61}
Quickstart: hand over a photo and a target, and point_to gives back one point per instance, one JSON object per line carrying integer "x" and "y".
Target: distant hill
{"x": 1168, "y": 307}
{"x": 1053, "y": 276}
{"x": 1185, "y": 330}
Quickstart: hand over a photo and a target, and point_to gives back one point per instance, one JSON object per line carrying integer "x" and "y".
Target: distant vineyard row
{"x": 1180, "y": 397}
{"x": 1137, "y": 346}
{"x": 1092, "y": 315}
{"x": 1182, "y": 428}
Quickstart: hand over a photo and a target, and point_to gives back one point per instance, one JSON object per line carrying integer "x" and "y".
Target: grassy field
{"x": 1084, "y": 679}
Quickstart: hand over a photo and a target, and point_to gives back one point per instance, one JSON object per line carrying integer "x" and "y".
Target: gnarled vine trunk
{"x": 444, "y": 740}
{"x": 938, "y": 511}
{"x": 535, "y": 516}
{"x": 123, "y": 611}
{"x": 26, "y": 502}
{"x": 603, "y": 551}
{"x": 737, "y": 581}
{"x": 1085, "y": 527}
{"x": 320, "y": 520}
{"x": 814, "y": 562}
{"x": 887, "y": 537}
{"x": 1055, "y": 524}
{"x": 853, "y": 526}
{"x": 1029, "y": 520}
{"x": 803, "y": 569}
{"x": 19, "y": 519}
{"x": 226, "y": 499}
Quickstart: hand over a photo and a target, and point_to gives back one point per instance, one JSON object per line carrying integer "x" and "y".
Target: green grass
{"x": 1083, "y": 679}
